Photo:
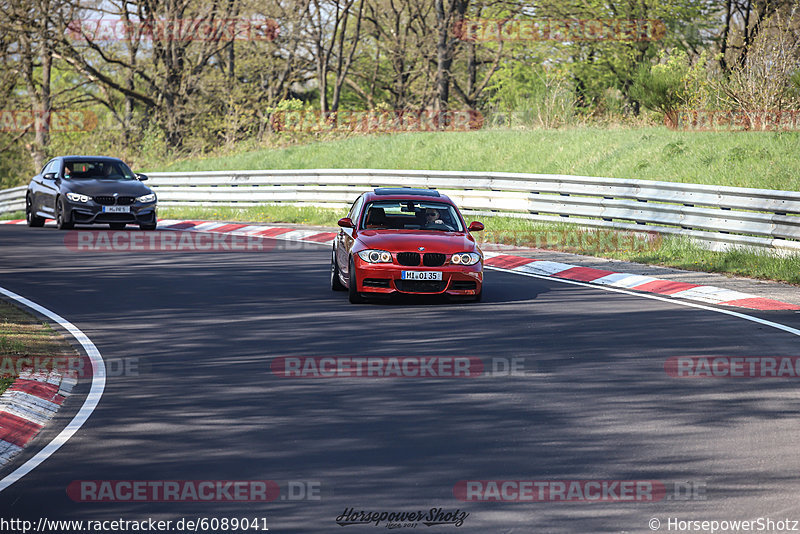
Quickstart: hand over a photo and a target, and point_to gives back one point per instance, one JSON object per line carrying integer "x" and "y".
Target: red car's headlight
{"x": 375, "y": 256}
{"x": 465, "y": 258}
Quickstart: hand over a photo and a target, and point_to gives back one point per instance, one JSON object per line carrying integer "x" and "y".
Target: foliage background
{"x": 162, "y": 100}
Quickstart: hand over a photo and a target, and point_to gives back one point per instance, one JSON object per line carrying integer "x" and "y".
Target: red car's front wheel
{"x": 352, "y": 285}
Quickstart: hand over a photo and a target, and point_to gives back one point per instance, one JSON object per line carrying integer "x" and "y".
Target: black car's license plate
{"x": 116, "y": 209}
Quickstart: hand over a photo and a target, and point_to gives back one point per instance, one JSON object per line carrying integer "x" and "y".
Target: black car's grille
{"x": 421, "y": 286}
{"x": 433, "y": 259}
{"x": 408, "y": 258}
{"x": 79, "y": 216}
{"x": 114, "y": 217}
{"x": 110, "y": 201}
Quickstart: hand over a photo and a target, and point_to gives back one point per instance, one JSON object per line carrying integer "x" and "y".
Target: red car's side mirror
{"x": 346, "y": 222}
{"x": 475, "y": 226}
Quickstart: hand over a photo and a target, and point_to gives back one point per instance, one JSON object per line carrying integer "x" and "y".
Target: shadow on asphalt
{"x": 594, "y": 401}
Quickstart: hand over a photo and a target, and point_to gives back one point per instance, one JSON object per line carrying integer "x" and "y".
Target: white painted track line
{"x": 91, "y": 402}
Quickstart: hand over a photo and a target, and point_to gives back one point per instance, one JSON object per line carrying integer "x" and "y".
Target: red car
{"x": 403, "y": 240}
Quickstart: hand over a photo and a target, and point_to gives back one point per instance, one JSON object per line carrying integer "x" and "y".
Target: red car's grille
{"x": 376, "y": 282}
{"x": 433, "y": 259}
{"x": 408, "y": 258}
{"x": 420, "y": 286}
{"x": 429, "y": 259}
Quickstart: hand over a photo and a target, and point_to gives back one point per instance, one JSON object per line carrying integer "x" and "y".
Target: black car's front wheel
{"x": 352, "y": 285}
{"x": 63, "y": 222}
{"x": 30, "y": 217}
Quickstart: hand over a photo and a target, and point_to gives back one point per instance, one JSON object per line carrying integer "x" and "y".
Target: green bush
{"x": 660, "y": 87}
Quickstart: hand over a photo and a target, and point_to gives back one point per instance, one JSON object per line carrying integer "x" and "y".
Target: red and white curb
{"x": 636, "y": 282}
{"x": 269, "y": 232}
{"x": 35, "y": 397}
{"x": 27, "y": 405}
{"x": 680, "y": 290}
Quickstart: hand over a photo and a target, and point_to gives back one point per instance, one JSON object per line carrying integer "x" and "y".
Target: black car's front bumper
{"x": 94, "y": 213}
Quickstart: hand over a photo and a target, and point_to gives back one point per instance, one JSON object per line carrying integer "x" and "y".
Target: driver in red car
{"x": 432, "y": 217}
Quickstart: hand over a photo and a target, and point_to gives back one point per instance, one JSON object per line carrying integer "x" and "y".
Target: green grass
{"x": 24, "y": 336}
{"x": 668, "y": 251}
{"x": 269, "y": 214}
{"x": 14, "y": 215}
{"x": 682, "y": 253}
{"x": 766, "y": 160}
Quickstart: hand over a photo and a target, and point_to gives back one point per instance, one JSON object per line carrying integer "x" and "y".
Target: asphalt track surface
{"x": 594, "y": 402}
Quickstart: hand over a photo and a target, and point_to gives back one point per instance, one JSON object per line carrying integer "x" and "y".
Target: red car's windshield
{"x": 412, "y": 215}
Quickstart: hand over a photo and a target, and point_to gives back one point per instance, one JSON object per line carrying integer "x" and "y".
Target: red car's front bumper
{"x": 386, "y": 278}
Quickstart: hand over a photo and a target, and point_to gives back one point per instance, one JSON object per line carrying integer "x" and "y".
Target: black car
{"x": 90, "y": 190}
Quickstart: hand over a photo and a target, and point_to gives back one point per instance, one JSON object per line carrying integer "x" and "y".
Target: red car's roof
{"x": 369, "y": 197}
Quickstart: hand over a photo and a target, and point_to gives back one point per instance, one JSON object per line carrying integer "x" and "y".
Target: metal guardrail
{"x": 718, "y": 216}
{"x": 12, "y": 199}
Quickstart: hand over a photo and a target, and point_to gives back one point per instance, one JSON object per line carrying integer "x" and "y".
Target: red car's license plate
{"x": 421, "y": 275}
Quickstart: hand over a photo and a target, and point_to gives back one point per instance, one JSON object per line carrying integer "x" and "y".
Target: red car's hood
{"x": 411, "y": 240}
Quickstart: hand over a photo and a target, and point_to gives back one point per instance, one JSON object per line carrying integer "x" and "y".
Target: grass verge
{"x": 14, "y": 215}
{"x": 667, "y": 251}
{"x": 765, "y": 160}
{"x": 23, "y": 337}
{"x": 272, "y": 214}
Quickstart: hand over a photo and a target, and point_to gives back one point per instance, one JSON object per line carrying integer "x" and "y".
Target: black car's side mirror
{"x": 49, "y": 176}
{"x": 141, "y": 177}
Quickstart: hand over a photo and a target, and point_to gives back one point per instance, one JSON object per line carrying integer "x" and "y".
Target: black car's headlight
{"x": 77, "y": 197}
{"x": 375, "y": 256}
{"x": 465, "y": 258}
{"x": 150, "y": 197}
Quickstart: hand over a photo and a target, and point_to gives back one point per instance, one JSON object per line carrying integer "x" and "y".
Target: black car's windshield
{"x": 107, "y": 170}
{"x": 411, "y": 215}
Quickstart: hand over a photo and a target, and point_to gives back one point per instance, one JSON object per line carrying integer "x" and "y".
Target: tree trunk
{"x": 445, "y": 47}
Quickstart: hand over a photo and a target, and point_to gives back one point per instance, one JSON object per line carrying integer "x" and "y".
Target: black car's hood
{"x": 97, "y": 186}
